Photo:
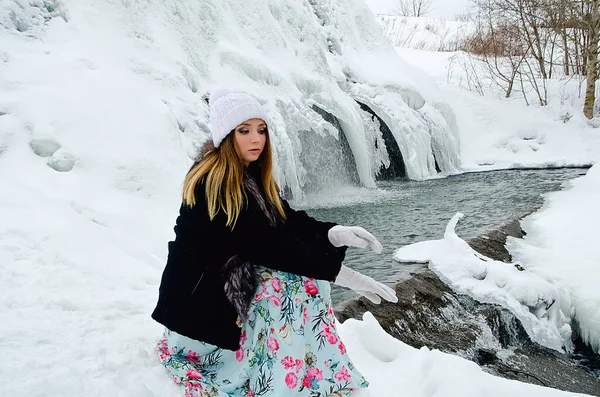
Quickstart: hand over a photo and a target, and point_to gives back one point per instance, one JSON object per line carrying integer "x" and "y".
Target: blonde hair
{"x": 222, "y": 171}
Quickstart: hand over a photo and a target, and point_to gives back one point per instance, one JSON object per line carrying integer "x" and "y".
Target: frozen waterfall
{"x": 345, "y": 109}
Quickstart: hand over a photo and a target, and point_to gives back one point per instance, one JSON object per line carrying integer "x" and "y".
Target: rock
{"x": 491, "y": 244}
{"x": 429, "y": 313}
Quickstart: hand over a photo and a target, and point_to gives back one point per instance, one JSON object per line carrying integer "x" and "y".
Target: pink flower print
{"x": 288, "y": 362}
{"x": 276, "y": 284}
{"x": 330, "y": 310}
{"x": 299, "y": 364}
{"x": 194, "y": 374}
{"x": 306, "y": 382}
{"x": 258, "y": 297}
{"x": 342, "y": 347}
{"x": 164, "y": 351}
{"x": 329, "y": 334}
{"x": 193, "y": 357}
{"x": 311, "y": 287}
{"x": 239, "y": 354}
{"x": 188, "y": 393}
{"x": 343, "y": 375}
{"x": 273, "y": 344}
{"x": 250, "y": 393}
{"x": 311, "y": 374}
{"x": 291, "y": 380}
{"x": 332, "y": 339}
{"x": 243, "y": 338}
{"x": 314, "y": 372}
{"x": 305, "y": 315}
{"x": 275, "y": 300}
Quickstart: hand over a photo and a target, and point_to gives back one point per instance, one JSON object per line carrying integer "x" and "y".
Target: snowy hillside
{"x": 427, "y": 34}
{"x": 148, "y": 65}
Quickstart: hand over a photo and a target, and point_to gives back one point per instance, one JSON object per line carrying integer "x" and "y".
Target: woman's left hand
{"x": 354, "y": 236}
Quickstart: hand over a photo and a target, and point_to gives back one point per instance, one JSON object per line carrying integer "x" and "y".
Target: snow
{"x": 423, "y": 372}
{"x": 149, "y": 67}
{"x": 496, "y": 133}
{"x": 102, "y": 109}
{"x": 425, "y": 33}
{"x": 561, "y": 247}
{"x": 442, "y": 9}
{"x": 558, "y": 285}
{"x": 543, "y": 307}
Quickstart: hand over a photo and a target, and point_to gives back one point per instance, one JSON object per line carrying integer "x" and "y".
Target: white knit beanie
{"x": 229, "y": 109}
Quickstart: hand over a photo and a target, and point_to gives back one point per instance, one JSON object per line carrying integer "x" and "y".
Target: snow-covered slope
{"x": 138, "y": 70}
{"x": 424, "y": 33}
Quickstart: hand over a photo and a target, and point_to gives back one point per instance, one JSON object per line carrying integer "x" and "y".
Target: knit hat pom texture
{"x": 228, "y": 109}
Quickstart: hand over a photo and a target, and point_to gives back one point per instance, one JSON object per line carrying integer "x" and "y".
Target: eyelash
{"x": 246, "y": 131}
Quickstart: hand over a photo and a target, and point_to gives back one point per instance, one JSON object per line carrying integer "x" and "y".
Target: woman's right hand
{"x": 365, "y": 285}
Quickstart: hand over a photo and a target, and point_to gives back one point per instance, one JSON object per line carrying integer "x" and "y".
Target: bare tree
{"x": 522, "y": 43}
{"x": 414, "y": 8}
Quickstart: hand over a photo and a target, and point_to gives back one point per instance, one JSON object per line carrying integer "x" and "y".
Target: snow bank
{"x": 543, "y": 306}
{"x": 395, "y": 369}
{"x": 561, "y": 246}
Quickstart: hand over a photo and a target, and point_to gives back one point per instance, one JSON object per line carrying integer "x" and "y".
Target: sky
{"x": 441, "y": 8}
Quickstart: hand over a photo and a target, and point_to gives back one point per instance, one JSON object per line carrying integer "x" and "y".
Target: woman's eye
{"x": 243, "y": 131}
{"x": 262, "y": 131}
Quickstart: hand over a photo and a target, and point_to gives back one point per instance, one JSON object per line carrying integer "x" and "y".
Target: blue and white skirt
{"x": 288, "y": 346}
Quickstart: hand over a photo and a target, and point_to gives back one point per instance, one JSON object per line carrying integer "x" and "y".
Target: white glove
{"x": 355, "y": 236}
{"x": 365, "y": 285}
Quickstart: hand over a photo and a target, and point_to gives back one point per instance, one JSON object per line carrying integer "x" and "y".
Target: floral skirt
{"x": 289, "y": 347}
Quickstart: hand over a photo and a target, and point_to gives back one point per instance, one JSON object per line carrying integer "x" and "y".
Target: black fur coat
{"x": 209, "y": 277}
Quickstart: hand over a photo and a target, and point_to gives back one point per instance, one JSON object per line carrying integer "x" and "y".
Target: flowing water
{"x": 401, "y": 212}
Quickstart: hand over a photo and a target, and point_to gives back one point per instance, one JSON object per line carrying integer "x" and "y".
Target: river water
{"x": 401, "y": 212}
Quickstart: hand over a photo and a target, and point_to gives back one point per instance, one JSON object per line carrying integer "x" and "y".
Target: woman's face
{"x": 250, "y": 138}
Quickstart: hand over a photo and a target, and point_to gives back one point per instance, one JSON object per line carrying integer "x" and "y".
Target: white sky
{"x": 441, "y": 8}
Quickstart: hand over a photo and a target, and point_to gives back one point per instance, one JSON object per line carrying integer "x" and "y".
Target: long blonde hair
{"x": 222, "y": 171}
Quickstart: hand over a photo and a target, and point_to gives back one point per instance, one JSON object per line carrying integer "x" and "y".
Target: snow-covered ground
{"x": 99, "y": 119}
{"x": 498, "y": 133}
{"x": 427, "y": 34}
{"x": 562, "y": 247}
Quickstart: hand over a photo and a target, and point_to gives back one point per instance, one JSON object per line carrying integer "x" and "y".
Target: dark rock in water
{"x": 429, "y": 313}
{"x": 485, "y": 356}
{"x": 492, "y": 244}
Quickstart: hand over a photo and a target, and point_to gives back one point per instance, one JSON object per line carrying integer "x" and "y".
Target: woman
{"x": 245, "y": 294}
